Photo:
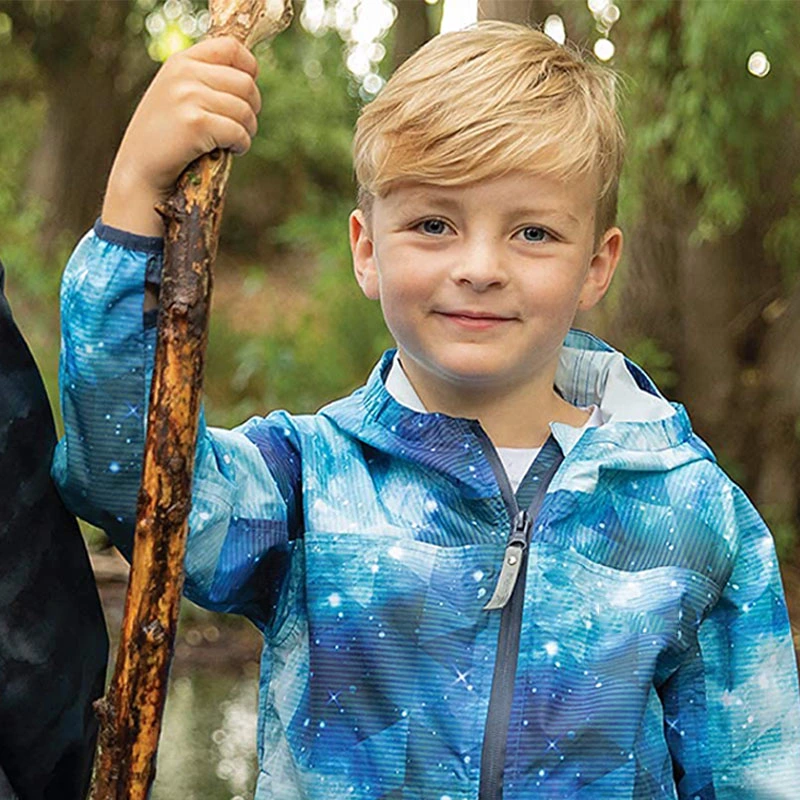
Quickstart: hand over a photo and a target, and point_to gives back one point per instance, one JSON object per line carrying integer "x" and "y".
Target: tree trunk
{"x": 410, "y": 31}
{"x": 577, "y": 19}
{"x": 508, "y": 10}
{"x": 85, "y": 120}
{"x": 92, "y": 69}
{"x": 776, "y": 485}
{"x": 707, "y": 360}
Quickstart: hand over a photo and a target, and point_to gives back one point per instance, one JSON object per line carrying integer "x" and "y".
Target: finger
{"x": 231, "y": 106}
{"x": 225, "y": 50}
{"x": 227, "y": 134}
{"x": 232, "y": 81}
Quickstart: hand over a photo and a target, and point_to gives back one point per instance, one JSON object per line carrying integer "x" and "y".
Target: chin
{"x": 475, "y": 371}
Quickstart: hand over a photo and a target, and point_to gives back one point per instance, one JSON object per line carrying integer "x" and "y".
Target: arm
{"x": 245, "y": 507}
{"x": 732, "y": 708}
{"x": 203, "y": 98}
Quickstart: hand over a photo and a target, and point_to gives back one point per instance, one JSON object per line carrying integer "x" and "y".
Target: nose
{"x": 480, "y": 265}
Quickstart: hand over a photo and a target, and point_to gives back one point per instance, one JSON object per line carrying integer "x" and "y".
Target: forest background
{"x": 707, "y": 299}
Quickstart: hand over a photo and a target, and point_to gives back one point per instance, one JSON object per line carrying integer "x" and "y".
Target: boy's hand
{"x": 202, "y": 98}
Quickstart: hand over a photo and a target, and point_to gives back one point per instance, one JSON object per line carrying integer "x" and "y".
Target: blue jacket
{"x": 645, "y": 651}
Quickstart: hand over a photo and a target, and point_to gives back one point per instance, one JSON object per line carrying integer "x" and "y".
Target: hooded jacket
{"x": 644, "y": 650}
{"x": 53, "y": 643}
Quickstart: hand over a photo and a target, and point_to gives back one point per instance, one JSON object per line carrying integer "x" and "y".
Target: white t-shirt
{"x": 516, "y": 461}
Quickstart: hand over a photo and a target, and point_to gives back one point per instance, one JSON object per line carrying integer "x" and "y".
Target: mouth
{"x": 475, "y": 320}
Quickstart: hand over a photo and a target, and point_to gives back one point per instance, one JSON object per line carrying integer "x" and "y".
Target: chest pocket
{"x": 598, "y": 642}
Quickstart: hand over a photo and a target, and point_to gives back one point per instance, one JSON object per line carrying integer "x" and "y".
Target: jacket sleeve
{"x": 245, "y": 491}
{"x": 732, "y": 708}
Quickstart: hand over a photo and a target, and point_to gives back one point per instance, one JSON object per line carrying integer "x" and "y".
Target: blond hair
{"x": 491, "y": 99}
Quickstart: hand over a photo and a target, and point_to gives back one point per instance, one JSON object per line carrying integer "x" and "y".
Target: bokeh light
{"x": 606, "y": 14}
{"x": 172, "y": 26}
{"x": 554, "y": 28}
{"x": 458, "y": 14}
{"x": 597, "y": 6}
{"x": 610, "y": 15}
{"x": 361, "y": 24}
{"x": 758, "y": 64}
{"x": 604, "y": 49}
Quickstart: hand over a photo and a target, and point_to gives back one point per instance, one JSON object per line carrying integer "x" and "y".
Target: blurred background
{"x": 707, "y": 299}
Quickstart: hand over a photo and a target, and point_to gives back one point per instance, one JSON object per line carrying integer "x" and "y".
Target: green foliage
{"x": 654, "y": 360}
{"x": 782, "y": 241}
{"x": 19, "y": 216}
{"x": 301, "y": 156}
{"x": 302, "y": 149}
{"x": 695, "y": 107}
{"x": 342, "y": 333}
{"x": 305, "y": 360}
{"x": 31, "y": 286}
{"x": 308, "y": 113}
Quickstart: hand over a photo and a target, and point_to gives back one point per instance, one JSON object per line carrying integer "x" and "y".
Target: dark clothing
{"x": 53, "y": 642}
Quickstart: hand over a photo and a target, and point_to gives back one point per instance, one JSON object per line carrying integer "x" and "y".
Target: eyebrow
{"x": 431, "y": 199}
{"x": 451, "y": 204}
{"x": 544, "y": 213}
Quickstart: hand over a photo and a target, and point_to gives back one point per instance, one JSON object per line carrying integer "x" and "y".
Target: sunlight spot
{"x": 604, "y": 49}
{"x": 758, "y": 64}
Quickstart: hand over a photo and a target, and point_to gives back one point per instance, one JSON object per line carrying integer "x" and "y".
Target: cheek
{"x": 401, "y": 287}
{"x": 398, "y": 303}
{"x": 403, "y": 303}
{"x": 555, "y": 284}
{"x": 552, "y": 301}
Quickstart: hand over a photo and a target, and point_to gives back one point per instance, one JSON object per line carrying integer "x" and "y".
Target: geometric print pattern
{"x": 655, "y": 656}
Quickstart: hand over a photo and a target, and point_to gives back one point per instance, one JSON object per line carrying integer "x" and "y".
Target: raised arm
{"x": 203, "y": 98}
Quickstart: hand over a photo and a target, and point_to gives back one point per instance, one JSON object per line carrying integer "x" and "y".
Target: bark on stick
{"x": 130, "y": 714}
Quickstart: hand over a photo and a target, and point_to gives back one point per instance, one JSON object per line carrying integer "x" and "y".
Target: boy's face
{"x": 479, "y": 284}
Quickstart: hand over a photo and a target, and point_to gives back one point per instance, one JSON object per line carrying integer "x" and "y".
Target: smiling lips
{"x": 474, "y": 320}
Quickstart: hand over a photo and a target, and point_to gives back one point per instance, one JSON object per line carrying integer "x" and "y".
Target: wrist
{"x": 129, "y": 204}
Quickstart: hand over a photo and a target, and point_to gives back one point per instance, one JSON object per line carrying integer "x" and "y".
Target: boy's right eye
{"x": 433, "y": 226}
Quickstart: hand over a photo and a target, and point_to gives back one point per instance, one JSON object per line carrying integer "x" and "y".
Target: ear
{"x": 601, "y": 269}
{"x": 363, "y": 250}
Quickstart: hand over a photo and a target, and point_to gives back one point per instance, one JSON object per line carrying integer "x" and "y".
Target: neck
{"x": 512, "y": 416}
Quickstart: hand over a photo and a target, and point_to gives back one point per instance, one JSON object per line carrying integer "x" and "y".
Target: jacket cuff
{"x": 131, "y": 241}
{"x": 152, "y": 245}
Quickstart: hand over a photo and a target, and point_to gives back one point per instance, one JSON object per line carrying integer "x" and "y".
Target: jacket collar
{"x": 641, "y": 429}
{"x": 451, "y": 445}
{"x": 636, "y": 416}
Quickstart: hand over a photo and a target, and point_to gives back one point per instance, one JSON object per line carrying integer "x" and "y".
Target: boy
{"x": 505, "y": 567}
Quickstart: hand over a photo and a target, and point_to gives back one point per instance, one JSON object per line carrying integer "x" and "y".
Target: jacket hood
{"x": 641, "y": 431}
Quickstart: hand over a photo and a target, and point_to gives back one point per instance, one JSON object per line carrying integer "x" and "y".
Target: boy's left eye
{"x": 533, "y": 233}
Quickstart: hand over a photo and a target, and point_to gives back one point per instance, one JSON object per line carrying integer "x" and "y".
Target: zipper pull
{"x": 512, "y": 561}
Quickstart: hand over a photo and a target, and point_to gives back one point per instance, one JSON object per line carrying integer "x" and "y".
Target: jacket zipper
{"x": 509, "y": 596}
{"x": 513, "y": 560}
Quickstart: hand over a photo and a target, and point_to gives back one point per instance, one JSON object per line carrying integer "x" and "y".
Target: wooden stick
{"x": 130, "y": 714}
